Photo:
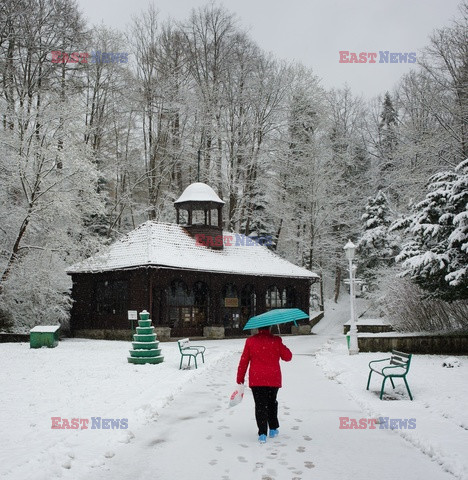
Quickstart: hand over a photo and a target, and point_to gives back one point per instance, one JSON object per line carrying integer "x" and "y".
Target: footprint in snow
{"x": 243, "y": 445}
{"x": 219, "y": 448}
{"x": 156, "y": 441}
{"x": 307, "y": 438}
{"x": 127, "y": 437}
{"x": 296, "y": 427}
{"x": 309, "y": 464}
{"x": 300, "y": 449}
{"x": 298, "y": 420}
{"x": 213, "y": 462}
{"x": 242, "y": 459}
{"x": 209, "y": 437}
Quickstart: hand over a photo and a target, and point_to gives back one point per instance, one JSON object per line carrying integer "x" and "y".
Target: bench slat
{"x": 398, "y": 362}
{"x": 399, "y": 359}
{"x": 400, "y": 354}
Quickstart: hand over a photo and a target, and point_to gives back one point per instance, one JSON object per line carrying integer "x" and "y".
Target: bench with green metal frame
{"x": 398, "y": 367}
{"x": 190, "y": 351}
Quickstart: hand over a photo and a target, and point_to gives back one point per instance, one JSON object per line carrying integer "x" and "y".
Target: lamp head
{"x": 350, "y": 249}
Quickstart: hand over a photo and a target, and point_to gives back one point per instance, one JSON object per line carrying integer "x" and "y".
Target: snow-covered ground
{"x": 439, "y": 406}
{"x": 179, "y": 423}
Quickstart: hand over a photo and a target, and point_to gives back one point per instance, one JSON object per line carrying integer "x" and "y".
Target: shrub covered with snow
{"x": 409, "y": 309}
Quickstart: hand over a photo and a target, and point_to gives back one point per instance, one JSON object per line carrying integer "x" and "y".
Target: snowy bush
{"x": 37, "y": 292}
{"x": 436, "y": 255}
{"x": 408, "y": 308}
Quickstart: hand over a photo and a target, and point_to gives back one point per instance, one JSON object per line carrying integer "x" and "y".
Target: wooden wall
{"x": 146, "y": 287}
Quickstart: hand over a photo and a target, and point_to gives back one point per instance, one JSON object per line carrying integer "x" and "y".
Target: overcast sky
{"x": 314, "y": 31}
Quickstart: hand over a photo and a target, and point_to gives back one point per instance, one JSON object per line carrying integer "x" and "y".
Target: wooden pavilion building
{"x": 194, "y": 279}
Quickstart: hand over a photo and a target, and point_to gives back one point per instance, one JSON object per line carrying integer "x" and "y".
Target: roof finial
{"x": 198, "y": 169}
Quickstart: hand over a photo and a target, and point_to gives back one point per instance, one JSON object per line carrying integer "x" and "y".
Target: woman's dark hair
{"x": 262, "y": 329}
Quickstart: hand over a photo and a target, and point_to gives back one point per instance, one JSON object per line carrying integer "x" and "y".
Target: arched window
{"x": 230, "y": 291}
{"x": 248, "y": 298}
{"x": 179, "y": 301}
{"x": 290, "y": 297}
{"x": 179, "y": 294}
{"x": 201, "y": 301}
{"x": 230, "y": 307}
{"x": 248, "y": 303}
{"x": 187, "y": 308}
{"x": 275, "y": 298}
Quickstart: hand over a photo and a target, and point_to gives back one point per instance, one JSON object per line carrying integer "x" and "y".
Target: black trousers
{"x": 266, "y": 408}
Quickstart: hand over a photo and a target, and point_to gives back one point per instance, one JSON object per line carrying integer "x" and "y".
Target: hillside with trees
{"x": 88, "y": 151}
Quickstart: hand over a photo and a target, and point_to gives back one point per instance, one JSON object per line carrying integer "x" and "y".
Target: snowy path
{"x": 196, "y": 434}
{"x": 179, "y": 423}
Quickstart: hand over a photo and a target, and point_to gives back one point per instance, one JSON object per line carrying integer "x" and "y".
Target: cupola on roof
{"x": 198, "y": 192}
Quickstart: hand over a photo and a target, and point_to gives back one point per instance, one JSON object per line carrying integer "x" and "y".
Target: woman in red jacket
{"x": 263, "y": 352}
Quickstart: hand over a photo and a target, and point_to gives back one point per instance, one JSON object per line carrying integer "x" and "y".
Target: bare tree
{"x": 446, "y": 64}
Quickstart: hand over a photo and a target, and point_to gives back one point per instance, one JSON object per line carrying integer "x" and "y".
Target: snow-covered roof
{"x": 45, "y": 328}
{"x": 169, "y": 245}
{"x": 199, "y": 192}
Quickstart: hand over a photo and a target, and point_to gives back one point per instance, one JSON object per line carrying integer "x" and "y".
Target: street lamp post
{"x": 350, "y": 248}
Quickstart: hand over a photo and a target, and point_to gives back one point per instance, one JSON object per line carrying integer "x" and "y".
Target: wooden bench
{"x": 397, "y": 366}
{"x": 190, "y": 351}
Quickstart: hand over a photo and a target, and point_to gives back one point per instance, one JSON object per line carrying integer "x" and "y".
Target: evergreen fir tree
{"x": 387, "y": 144}
{"x": 377, "y": 246}
{"x": 436, "y": 257}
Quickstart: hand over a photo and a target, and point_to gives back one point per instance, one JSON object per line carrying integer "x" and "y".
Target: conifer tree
{"x": 387, "y": 143}
{"x": 377, "y": 246}
{"x": 436, "y": 257}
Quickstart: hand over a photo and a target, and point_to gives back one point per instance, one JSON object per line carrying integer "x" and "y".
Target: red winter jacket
{"x": 263, "y": 351}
